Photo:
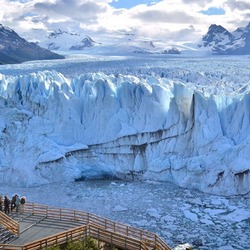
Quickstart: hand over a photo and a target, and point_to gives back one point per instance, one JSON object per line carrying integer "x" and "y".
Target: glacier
{"x": 171, "y": 125}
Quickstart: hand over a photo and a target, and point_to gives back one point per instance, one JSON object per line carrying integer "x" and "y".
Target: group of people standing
{"x": 16, "y": 203}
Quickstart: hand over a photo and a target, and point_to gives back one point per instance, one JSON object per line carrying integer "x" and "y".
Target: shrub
{"x": 86, "y": 244}
{"x": 54, "y": 248}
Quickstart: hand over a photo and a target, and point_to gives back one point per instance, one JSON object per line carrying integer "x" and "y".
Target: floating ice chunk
{"x": 190, "y": 215}
{"x": 185, "y": 246}
{"x": 153, "y": 212}
{"x": 237, "y": 215}
{"x": 119, "y": 208}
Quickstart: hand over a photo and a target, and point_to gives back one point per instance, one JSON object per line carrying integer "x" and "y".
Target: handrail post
{"x": 111, "y": 241}
{"x": 155, "y": 241}
{"x": 98, "y": 235}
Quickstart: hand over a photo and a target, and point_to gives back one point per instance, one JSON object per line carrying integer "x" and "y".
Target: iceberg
{"x": 56, "y": 128}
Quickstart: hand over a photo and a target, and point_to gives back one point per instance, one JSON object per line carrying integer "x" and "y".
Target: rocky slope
{"x": 14, "y": 49}
{"x": 220, "y": 41}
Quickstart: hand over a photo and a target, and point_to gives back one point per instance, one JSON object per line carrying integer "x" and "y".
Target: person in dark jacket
{"x": 18, "y": 200}
{"x": 13, "y": 203}
{"x": 1, "y": 203}
{"x": 22, "y": 202}
{"x": 6, "y": 203}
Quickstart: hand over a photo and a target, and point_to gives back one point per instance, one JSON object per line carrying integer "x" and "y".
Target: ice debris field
{"x": 207, "y": 222}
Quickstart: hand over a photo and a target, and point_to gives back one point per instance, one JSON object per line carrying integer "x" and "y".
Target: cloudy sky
{"x": 171, "y": 20}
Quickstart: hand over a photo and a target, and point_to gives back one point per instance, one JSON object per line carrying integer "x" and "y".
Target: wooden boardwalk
{"x": 40, "y": 226}
{"x": 34, "y": 227}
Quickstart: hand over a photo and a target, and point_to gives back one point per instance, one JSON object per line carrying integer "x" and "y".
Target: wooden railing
{"x": 81, "y": 232}
{"x": 150, "y": 239}
{"x": 97, "y": 227}
{"x": 58, "y": 239}
{"x": 115, "y": 239}
{"x": 9, "y": 223}
{"x": 10, "y": 247}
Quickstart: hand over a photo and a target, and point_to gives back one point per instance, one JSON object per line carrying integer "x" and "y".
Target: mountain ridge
{"x": 15, "y": 49}
{"x": 117, "y": 44}
{"x": 64, "y": 40}
{"x": 222, "y": 42}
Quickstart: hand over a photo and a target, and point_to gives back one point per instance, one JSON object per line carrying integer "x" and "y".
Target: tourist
{"x": 6, "y": 204}
{"x": 13, "y": 203}
{"x": 23, "y": 200}
{"x": 17, "y": 202}
{"x": 1, "y": 203}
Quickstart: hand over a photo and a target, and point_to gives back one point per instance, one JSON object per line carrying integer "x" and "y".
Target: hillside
{"x": 14, "y": 49}
{"x": 222, "y": 42}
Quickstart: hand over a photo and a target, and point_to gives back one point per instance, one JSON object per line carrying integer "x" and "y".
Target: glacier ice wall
{"x": 55, "y": 129}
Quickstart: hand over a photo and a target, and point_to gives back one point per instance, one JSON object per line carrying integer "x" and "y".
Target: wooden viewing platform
{"x": 41, "y": 226}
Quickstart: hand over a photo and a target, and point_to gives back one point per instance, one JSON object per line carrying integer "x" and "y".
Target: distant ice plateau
{"x": 186, "y": 122}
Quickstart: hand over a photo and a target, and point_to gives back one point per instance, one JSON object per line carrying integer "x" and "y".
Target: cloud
{"x": 164, "y": 16}
{"x": 30, "y": 16}
{"x": 166, "y": 19}
{"x": 201, "y": 3}
{"x": 238, "y": 5}
{"x": 185, "y": 34}
{"x": 73, "y": 9}
{"x": 247, "y": 16}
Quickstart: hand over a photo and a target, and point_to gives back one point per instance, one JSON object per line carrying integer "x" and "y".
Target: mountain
{"x": 142, "y": 45}
{"x": 217, "y": 36}
{"x": 14, "y": 49}
{"x": 122, "y": 43}
{"x": 220, "y": 41}
{"x": 85, "y": 43}
{"x": 63, "y": 40}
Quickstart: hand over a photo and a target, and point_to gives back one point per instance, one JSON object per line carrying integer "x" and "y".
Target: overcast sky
{"x": 171, "y": 20}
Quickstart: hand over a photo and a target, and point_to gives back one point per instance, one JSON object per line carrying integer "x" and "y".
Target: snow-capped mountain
{"x": 14, "y": 49}
{"x": 86, "y": 42}
{"x": 118, "y": 44}
{"x": 217, "y": 36}
{"x": 63, "y": 40}
{"x": 132, "y": 43}
{"x": 221, "y": 41}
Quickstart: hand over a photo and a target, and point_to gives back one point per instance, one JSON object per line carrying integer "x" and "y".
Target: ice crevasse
{"x": 54, "y": 129}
